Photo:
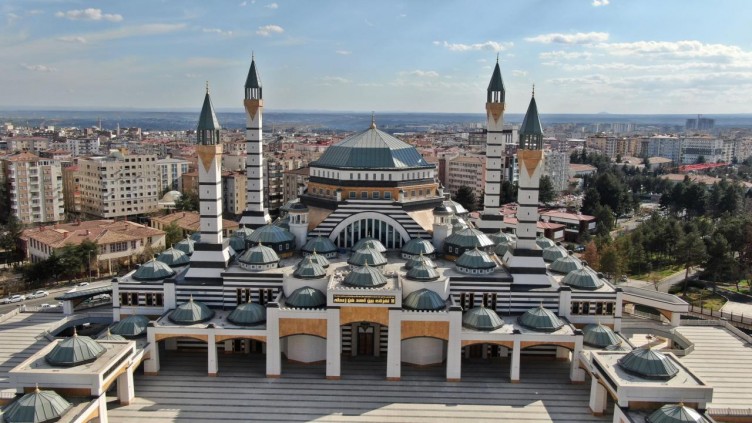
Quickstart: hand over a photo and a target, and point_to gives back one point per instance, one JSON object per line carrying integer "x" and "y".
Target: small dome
{"x": 475, "y": 259}
{"x": 458, "y": 226}
{"x": 367, "y": 255}
{"x": 676, "y": 413}
{"x": 600, "y": 336}
{"x": 244, "y": 232}
{"x": 541, "y": 320}
{"x": 74, "y": 351}
{"x": 153, "y": 270}
{"x": 36, "y": 407}
{"x": 422, "y": 271}
{"x": 369, "y": 242}
{"x": 294, "y": 206}
{"x": 455, "y": 207}
{"x": 554, "y": 253}
{"x": 421, "y": 259}
{"x": 248, "y": 314}
{"x": 544, "y": 242}
{"x": 502, "y": 248}
{"x": 442, "y": 210}
{"x": 173, "y": 257}
{"x": 282, "y": 222}
{"x": 196, "y": 236}
{"x": 565, "y": 264}
{"x": 482, "y": 318}
{"x": 307, "y": 269}
{"x": 186, "y": 245}
{"x": 191, "y": 312}
{"x": 109, "y": 336}
{"x": 424, "y": 299}
{"x": 648, "y": 364}
{"x": 131, "y": 326}
{"x": 172, "y": 196}
{"x": 501, "y": 237}
{"x": 271, "y": 234}
{"x": 259, "y": 254}
{"x": 321, "y": 260}
{"x": 320, "y": 245}
{"x": 237, "y": 242}
{"x": 365, "y": 277}
{"x": 584, "y": 278}
{"x": 306, "y": 297}
{"x": 418, "y": 246}
{"x": 469, "y": 238}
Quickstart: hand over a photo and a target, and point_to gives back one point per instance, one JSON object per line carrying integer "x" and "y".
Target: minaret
{"x": 211, "y": 253}
{"x": 491, "y": 220}
{"x": 525, "y": 262}
{"x": 254, "y": 215}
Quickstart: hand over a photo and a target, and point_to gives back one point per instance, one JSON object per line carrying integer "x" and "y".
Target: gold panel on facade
{"x": 378, "y": 315}
{"x": 413, "y": 329}
{"x": 222, "y": 338}
{"x": 531, "y": 159}
{"x": 495, "y": 110}
{"x": 528, "y": 344}
{"x": 162, "y": 336}
{"x": 508, "y": 344}
{"x": 252, "y": 107}
{"x": 208, "y": 153}
{"x": 315, "y": 327}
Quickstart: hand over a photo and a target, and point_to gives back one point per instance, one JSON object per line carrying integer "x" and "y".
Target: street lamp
{"x": 90, "y": 252}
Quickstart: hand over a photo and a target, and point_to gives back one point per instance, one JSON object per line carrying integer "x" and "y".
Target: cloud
{"x": 421, "y": 73}
{"x": 38, "y": 68}
{"x": 72, "y": 39}
{"x": 679, "y": 50}
{"x": 343, "y": 52}
{"x": 216, "y": 31}
{"x": 89, "y": 14}
{"x": 598, "y": 3}
{"x": 401, "y": 16}
{"x": 488, "y": 45}
{"x": 243, "y": 4}
{"x": 565, "y": 55}
{"x": 268, "y": 30}
{"x": 11, "y": 17}
{"x": 329, "y": 80}
{"x": 576, "y": 38}
{"x": 519, "y": 73}
{"x": 272, "y": 6}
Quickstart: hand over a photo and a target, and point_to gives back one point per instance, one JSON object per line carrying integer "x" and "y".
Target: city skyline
{"x": 586, "y": 56}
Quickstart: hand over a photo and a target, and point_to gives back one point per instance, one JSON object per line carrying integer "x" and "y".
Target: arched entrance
{"x": 242, "y": 353}
{"x": 369, "y": 224}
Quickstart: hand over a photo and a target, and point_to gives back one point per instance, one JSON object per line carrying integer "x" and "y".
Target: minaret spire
{"x": 373, "y": 120}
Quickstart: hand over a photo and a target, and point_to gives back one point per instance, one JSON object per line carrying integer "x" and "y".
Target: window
{"x": 352, "y": 194}
{"x": 364, "y": 195}
{"x": 375, "y": 195}
{"x": 387, "y": 195}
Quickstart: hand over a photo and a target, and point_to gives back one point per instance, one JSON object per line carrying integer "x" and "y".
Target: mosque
{"x": 374, "y": 260}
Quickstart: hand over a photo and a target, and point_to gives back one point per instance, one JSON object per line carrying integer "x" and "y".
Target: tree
{"x": 546, "y": 191}
{"x": 11, "y": 233}
{"x": 591, "y": 255}
{"x": 173, "y": 234}
{"x": 692, "y": 252}
{"x": 187, "y": 202}
{"x": 610, "y": 261}
{"x": 466, "y": 197}
{"x": 605, "y": 220}
{"x": 508, "y": 192}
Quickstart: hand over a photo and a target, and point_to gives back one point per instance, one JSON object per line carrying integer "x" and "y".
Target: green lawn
{"x": 744, "y": 287}
{"x": 705, "y": 298}
{"x": 659, "y": 274}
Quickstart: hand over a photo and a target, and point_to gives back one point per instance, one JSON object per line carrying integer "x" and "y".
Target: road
{"x": 50, "y": 299}
{"x": 665, "y": 283}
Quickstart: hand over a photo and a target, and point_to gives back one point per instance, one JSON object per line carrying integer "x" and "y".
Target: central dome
{"x": 372, "y": 149}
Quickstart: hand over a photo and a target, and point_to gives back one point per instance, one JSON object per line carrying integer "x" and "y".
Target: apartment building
{"x": 274, "y": 180}
{"x": 234, "y": 192}
{"x": 71, "y": 189}
{"x": 34, "y": 186}
{"x": 171, "y": 172}
{"x": 82, "y": 147}
{"x": 190, "y": 222}
{"x": 666, "y": 146}
{"x": 556, "y": 167}
{"x": 467, "y": 171}
{"x": 295, "y": 181}
{"x": 709, "y": 148}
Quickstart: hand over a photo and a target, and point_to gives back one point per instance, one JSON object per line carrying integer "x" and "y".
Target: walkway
{"x": 182, "y": 392}
{"x": 18, "y": 341}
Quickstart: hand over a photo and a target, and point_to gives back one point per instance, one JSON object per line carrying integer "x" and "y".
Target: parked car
{"x": 16, "y": 298}
{"x": 579, "y": 248}
{"x": 38, "y": 294}
{"x": 45, "y": 305}
{"x": 4, "y": 301}
{"x": 83, "y": 284}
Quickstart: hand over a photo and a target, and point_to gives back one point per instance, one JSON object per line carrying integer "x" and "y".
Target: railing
{"x": 8, "y": 315}
{"x": 729, "y": 412}
{"x": 734, "y": 319}
{"x": 722, "y": 323}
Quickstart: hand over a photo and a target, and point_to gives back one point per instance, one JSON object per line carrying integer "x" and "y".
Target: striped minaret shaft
{"x": 491, "y": 220}
{"x": 254, "y": 215}
{"x": 530, "y": 162}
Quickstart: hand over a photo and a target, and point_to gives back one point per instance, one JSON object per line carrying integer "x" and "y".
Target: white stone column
{"x": 228, "y": 346}
{"x": 675, "y": 319}
{"x": 394, "y": 354}
{"x": 514, "y": 371}
{"x": 247, "y": 346}
{"x": 212, "y": 356}
{"x": 576, "y": 374}
{"x": 598, "y": 398}
{"x": 125, "y": 389}
{"x": 562, "y": 353}
{"x": 102, "y": 405}
{"x": 151, "y": 365}
{"x": 333, "y": 344}
{"x": 273, "y": 353}
{"x": 454, "y": 345}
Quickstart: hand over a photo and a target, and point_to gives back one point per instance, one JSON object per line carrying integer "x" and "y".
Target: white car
{"x": 38, "y": 294}
{"x": 45, "y": 305}
{"x": 84, "y": 284}
{"x": 16, "y": 298}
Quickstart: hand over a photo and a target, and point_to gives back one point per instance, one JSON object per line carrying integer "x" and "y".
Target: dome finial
{"x": 533, "y": 90}
{"x": 253, "y": 55}
{"x": 497, "y": 57}
{"x": 207, "y": 87}
{"x": 36, "y": 388}
{"x": 373, "y": 120}
{"x": 75, "y": 333}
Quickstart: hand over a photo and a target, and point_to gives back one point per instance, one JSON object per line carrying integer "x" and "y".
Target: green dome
{"x": 468, "y": 238}
{"x": 422, "y": 271}
{"x": 191, "y": 312}
{"x": 544, "y": 242}
{"x": 307, "y": 269}
{"x": 458, "y": 226}
{"x": 173, "y": 257}
{"x": 243, "y": 232}
{"x": 74, "y": 351}
{"x": 455, "y": 207}
{"x": 482, "y": 318}
{"x": 320, "y": 245}
{"x": 306, "y": 297}
{"x": 237, "y": 242}
{"x": 321, "y": 260}
{"x": 36, "y": 407}
{"x": 648, "y": 364}
{"x": 502, "y": 237}
{"x": 372, "y": 149}
{"x": 365, "y": 277}
{"x": 676, "y": 413}
{"x": 540, "y": 320}
{"x": 421, "y": 259}
{"x": 423, "y": 299}
{"x": 248, "y": 314}
{"x": 418, "y": 246}
{"x": 502, "y": 248}
{"x": 554, "y": 253}
{"x": 475, "y": 259}
{"x": 108, "y": 336}
{"x": 565, "y": 264}
{"x": 186, "y": 245}
{"x": 282, "y": 222}
{"x": 131, "y": 326}
{"x": 584, "y": 278}
{"x": 271, "y": 234}
{"x": 153, "y": 270}
{"x": 196, "y": 236}
{"x": 600, "y": 336}
{"x": 367, "y": 255}
{"x": 369, "y": 242}
{"x": 260, "y": 255}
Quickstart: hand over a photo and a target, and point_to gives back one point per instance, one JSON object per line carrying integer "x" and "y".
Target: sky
{"x": 584, "y": 56}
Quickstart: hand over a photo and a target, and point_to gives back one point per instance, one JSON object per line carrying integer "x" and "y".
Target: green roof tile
{"x": 306, "y": 297}
{"x": 307, "y": 269}
{"x": 248, "y": 314}
{"x": 74, "y": 351}
{"x": 367, "y": 255}
{"x": 600, "y": 336}
{"x": 153, "y": 270}
{"x": 424, "y": 299}
{"x": 468, "y": 238}
{"x": 418, "y": 246}
{"x": 566, "y": 264}
{"x": 482, "y": 318}
{"x": 191, "y": 312}
{"x": 676, "y": 413}
{"x": 131, "y": 326}
{"x": 648, "y": 364}
{"x": 541, "y": 320}
{"x": 320, "y": 245}
{"x": 475, "y": 259}
{"x": 422, "y": 271}
{"x": 369, "y": 242}
{"x": 271, "y": 234}
{"x": 584, "y": 278}
{"x": 365, "y": 277}
{"x": 173, "y": 257}
{"x": 36, "y": 407}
